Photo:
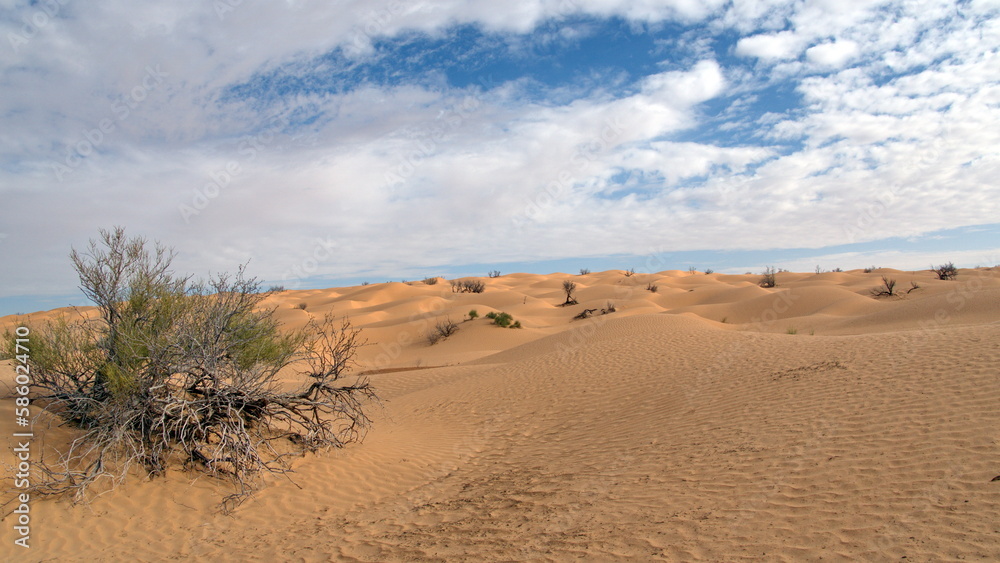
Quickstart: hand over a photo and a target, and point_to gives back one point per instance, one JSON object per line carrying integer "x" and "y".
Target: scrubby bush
{"x": 652, "y": 287}
{"x": 442, "y": 329}
{"x": 584, "y": 271}
{"x": 629, "y": 272}
{"x": 870, "y": 269}
{"x": 175, "y": 371}
{"x": 468, "y": 286}
{"x": 709, "y": 271}
{"x": 768, "y": 278}
{"x": 887, "y": 289}
{"x": 504, "y": 320}
{"x": 430, "y": 281}
{"x": 946, "y": 272}
{"x": 276, "y": 289}
{"x": 569, "y": 287}
{"x": 302, "y": 306}
{"x": 473, "y": 314}
{"x": 494, "y": 273}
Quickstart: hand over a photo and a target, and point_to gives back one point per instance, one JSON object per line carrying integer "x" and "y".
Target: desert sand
{"x": 712, "y": 420}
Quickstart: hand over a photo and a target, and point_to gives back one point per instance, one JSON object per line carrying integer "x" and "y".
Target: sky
{"x": 327, "y": 143}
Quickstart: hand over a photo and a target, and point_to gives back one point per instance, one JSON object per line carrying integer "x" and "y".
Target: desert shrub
{"x": 768, "y": 278}
{"x": 587, "y": 313}
{"x": 569, "y": 287}
{"x": 430, "y": 281}
{"x": 709, "y": 271}
{"x": 302, "y": 306}
{"x": 175, "y": 371}
{"x": 494, "y": 273}
{"x": 276, "y": 289}
{"x": 837, "y": 270}
{"x": 870, "y": 269}
{"x": 913, "y": 287}
{"x": 792, "y": 330}
{"x": 946, "y": 272}
{"x": 584, "y": 271}
{"x": 692, "y": 270}
{"x": 442, "y": 329}
{"x": 887, "y": 289}
{"x": 473, "y": 314}
{"x": 629, "y": 272}
{"x": 504, "y": 320}
{"x": 468, "y": 286}
{"x": 652, "y": 287}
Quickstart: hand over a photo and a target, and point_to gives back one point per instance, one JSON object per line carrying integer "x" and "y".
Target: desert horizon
{"x": 704, "y": 418}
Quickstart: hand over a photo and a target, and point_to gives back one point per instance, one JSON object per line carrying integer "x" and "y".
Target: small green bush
{"x": 473, "y": 314}
{"x": 503, "y": 320}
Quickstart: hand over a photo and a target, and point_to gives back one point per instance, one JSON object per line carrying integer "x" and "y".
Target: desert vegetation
{"x": 568, "y": 288}
{"x": 587, "y": 313}
{"x": 174, "y": 371}
{"x": 768, "y": 278}
{"x": 503, "y": 320}
{"x": 442, "y": 329}
{"x": 946, "y": 271}
{"x": 468, "y": 286}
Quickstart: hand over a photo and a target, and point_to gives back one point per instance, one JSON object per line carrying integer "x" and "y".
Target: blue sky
{"x": 332, "y": 143}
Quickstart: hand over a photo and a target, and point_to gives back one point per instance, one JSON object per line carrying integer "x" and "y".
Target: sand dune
{"x": 713, "y": 420}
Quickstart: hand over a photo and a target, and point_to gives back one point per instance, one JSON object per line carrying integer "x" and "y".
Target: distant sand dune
{"x": 654, "y": 433}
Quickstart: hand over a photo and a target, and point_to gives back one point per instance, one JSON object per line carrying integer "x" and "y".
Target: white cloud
{"x": 835, "y": 54}
{"x": 779, "y": 46}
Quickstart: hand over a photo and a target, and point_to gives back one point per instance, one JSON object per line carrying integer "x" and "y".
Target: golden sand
{"x": 713, "y": 420}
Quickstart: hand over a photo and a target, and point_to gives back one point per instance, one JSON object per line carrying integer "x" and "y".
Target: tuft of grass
{"x": 792, "y": 330}
{"x": 652, "y": 287}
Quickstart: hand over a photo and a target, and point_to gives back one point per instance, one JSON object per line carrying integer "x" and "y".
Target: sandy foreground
{"x": 712, "y": 420}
